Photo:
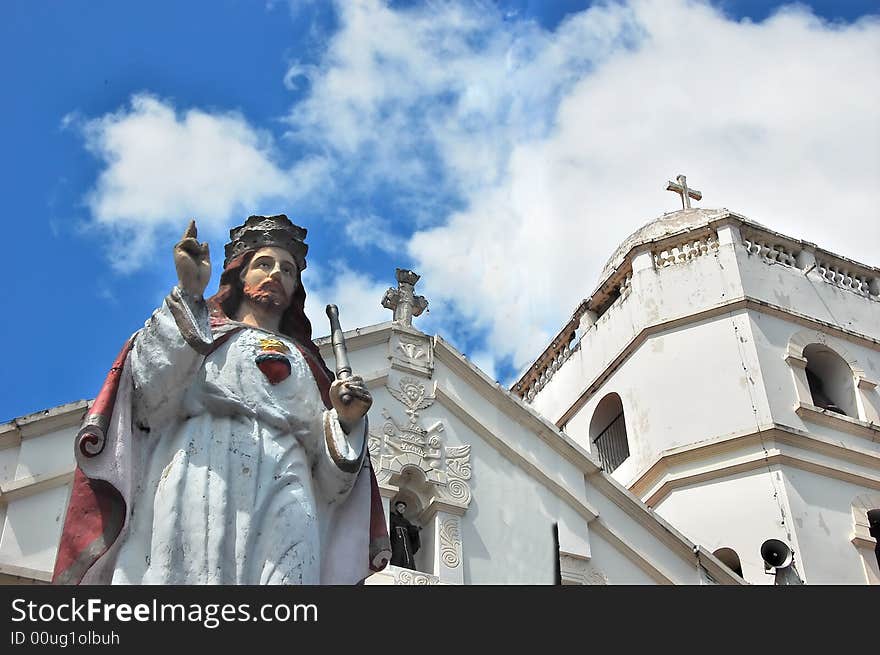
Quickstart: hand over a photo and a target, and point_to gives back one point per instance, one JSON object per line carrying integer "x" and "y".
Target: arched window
{"x": 730, "y": 559}
{"x": 830, "y": 380}
{"x": 608, "y": 432}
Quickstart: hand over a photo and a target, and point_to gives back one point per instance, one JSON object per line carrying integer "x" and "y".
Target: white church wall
{"x": 658, "y": 294}
{"x": 683, "y": 289}
{"x": 685, "y": 385}
{"x": 31, "y": 530}
{"x": 524, "y": 442}
{"x": 524, "y": 477}
{"x": 738, "y": 512}
{"x": 48, "y": 454}
{"x": 616, "y": 568}
{"x": 822, "y": 518}
{"x": 37, "y": 463}
{"x": 509, "y": 520}
{"x": 8, "y": 464}
{"x": 619, "y": 521}
{"x": 620, "y": 517}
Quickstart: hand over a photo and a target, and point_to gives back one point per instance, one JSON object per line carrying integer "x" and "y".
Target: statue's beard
{"x": 269, "y": 294}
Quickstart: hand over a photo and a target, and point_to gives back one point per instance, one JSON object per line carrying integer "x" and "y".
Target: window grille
{"x": 611, "y": 444}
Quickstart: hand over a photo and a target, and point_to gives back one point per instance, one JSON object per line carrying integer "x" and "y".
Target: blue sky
{"x": 500, "y": 149}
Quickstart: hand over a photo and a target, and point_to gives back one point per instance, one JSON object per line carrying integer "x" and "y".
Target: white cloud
{"x": 554, "y": 146}
{"x": 357, "y": 296}
{"x": 162, "y": 167}
{"x": 372, "y": 231}
{"x": 396, "y": 85}
{"x": 560, "y": 144}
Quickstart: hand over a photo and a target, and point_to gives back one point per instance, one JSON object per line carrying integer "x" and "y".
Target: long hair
{"x": 224, "y": 304}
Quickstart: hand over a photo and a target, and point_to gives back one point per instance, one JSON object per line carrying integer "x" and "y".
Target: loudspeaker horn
{"x": 776, "y": 553}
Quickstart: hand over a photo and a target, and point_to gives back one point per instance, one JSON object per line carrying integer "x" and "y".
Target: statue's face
{"x": 270, "y": 277}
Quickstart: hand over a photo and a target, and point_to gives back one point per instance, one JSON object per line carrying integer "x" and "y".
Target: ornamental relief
{"x": 409, "y": 577}
{"x": 450, "y": 543}
{"x": 413, "y": 395}
{"x": 579, "y": 571}
{"x": 401, "y": 444}
{"x": 411, "y": 353}
{"x": 412, "y": 350}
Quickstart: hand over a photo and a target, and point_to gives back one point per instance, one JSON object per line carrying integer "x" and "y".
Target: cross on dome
{"x": 681, "y": 188}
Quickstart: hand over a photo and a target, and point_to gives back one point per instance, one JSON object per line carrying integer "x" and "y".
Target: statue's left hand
{"x": 358, "y": 400}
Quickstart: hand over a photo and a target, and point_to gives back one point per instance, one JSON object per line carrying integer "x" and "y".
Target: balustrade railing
{"x": 839, "y": 272}
{"x": 772, "y": 253}
{"x": 684, "y": 251}
{"x": 848, "y": 277}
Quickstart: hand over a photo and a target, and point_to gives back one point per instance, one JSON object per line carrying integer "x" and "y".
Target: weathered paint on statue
{"x": 220, "y": 450}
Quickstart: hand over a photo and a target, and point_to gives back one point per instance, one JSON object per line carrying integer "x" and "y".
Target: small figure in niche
{"x": 405, "y": 541}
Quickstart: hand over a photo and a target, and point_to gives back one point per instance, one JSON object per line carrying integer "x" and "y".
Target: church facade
{"x": 727, "y": 375}
{"x": 716, "y": 390}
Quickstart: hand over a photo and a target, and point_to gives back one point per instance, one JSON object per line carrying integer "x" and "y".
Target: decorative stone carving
{"x": 408, "y": 577}
{"x": 411, "y": 352}
{"x": 458, "y": 471}
{"x": 413, "y": 395}
{"x": 447, "y": 469}
{"x": 580, "y": 571}
{"x": 450, "y": 542}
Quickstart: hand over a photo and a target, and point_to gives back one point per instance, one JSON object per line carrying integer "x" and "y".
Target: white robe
{"x": 237, "y": 481}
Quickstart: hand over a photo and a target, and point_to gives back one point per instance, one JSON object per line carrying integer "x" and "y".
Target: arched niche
{"x": 413, "y": 491}
{"x": 730, "y": 559}
{"x": 608, "y": 437}
{"x": 830, "y": 380}
{"x": 828, "y": 377}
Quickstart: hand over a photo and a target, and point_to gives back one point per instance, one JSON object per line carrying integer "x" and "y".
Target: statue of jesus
{"x": 220, "y": 450}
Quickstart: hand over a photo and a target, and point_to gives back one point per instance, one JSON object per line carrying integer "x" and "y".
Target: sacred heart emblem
{"x": 272, "y": 360}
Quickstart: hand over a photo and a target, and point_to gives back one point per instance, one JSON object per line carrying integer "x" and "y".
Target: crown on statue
{"x": 265, "y": 231}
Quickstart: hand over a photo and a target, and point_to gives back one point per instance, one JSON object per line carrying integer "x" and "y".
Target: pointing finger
{"x": 191, "y": 231}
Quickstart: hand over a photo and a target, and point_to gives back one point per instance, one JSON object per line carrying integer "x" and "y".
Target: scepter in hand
{"x": 340, "y": 352}
{"x": 354, "y": 397}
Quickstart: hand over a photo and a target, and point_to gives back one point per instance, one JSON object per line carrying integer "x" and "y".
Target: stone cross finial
{"x": 681, "y": 188}
{"x": 402, "y": 300}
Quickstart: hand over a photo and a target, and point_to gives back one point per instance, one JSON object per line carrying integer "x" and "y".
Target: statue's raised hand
{"x": 193, "y": 262}
{"x": 351, "y": 400}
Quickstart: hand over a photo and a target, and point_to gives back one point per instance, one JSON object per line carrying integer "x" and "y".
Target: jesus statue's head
{"x": 263, "y": 271}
